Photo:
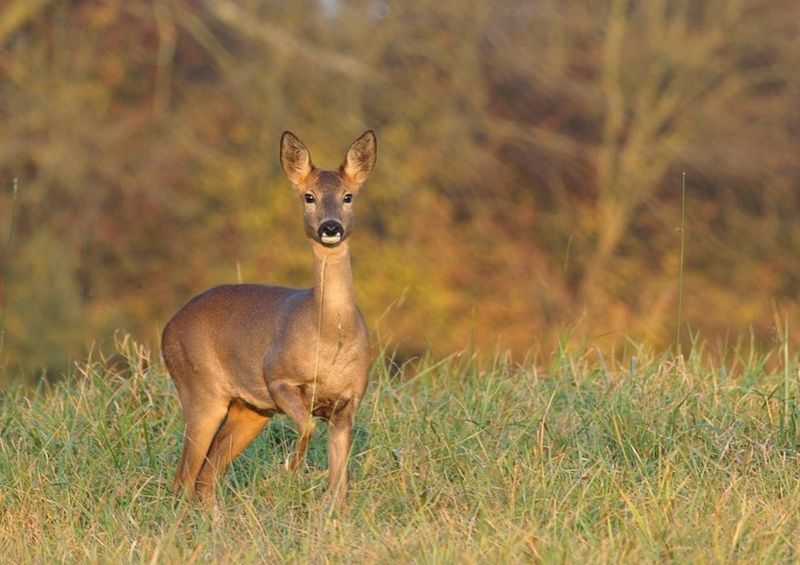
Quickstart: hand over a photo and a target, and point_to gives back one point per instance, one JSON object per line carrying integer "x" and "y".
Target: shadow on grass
{"x": 272, "y": 447}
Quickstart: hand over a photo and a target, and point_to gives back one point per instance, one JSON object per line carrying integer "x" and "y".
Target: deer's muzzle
{"x": 330, "y": 232}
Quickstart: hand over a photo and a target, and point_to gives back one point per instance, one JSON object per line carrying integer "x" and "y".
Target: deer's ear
{"x": 295, "y": 158}
{"x": 360, "y": 158}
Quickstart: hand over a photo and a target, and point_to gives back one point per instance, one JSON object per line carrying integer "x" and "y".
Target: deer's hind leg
{"x": 241, "y": 426}
{"x": 202, "y": 416}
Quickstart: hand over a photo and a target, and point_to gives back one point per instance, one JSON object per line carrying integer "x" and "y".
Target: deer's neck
{"x": 334, "y": 293}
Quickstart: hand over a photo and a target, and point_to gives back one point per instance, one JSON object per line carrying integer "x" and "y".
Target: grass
{"x": 571, "y": 460}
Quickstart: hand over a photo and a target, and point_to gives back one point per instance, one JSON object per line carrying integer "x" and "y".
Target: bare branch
{"x": 17, "y": 15}
{"x": 286, "y": 43}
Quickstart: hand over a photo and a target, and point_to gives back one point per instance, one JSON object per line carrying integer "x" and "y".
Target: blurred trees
{"x": 528, "y": 178}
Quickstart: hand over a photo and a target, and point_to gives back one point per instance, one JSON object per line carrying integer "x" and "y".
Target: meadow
{"x": 535, "y": 161}
{"x": 568, "y": 457}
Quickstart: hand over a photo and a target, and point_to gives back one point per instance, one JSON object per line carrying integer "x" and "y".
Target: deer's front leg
{"x": 290, "y": 399}
{"x": 340, "y": 432}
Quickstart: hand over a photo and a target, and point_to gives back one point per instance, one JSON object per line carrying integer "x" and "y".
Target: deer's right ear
{"x": 295, "y": 158}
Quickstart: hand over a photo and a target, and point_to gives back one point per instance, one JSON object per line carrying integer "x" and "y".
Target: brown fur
{"x": 240, "y": 353}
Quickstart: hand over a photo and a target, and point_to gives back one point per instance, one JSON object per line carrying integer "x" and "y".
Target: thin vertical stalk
{"x": 786, "y": 377}
{"x": 683, "y": 255}
{"x": 7, "y": 267}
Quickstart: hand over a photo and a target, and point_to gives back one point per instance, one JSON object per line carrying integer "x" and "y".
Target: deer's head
{"x": 328, "y": 195}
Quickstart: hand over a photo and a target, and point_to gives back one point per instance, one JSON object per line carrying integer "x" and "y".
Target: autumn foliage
{"x": 528, "y": 178}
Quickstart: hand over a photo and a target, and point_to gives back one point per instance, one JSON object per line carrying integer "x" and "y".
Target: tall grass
{"x": 570, "y": 460}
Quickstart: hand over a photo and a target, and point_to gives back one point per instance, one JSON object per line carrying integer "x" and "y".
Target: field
{"x": 569, "y": 458}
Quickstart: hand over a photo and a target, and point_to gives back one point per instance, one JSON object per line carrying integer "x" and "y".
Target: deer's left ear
{"x": 360, "y": 158}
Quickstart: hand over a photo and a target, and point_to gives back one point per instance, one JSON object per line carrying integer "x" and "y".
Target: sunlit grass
{"x": 571, "y": 459}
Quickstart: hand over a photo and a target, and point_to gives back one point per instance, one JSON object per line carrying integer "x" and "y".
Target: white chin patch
{"x": 331, "y": 239}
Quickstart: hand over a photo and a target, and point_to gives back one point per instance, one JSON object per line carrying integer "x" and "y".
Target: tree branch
{"x": 233, "y": 16}
{"x": 17, "y": 15}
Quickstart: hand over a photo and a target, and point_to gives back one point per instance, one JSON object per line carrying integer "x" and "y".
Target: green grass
{"x": 573, "y": 459}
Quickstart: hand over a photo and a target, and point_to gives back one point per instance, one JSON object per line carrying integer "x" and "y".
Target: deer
{"x": 240, "y": 353}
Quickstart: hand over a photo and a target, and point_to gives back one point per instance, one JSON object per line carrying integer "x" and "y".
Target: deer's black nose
{"x": 331, "y": 228}
{"x": 330, "y": 232}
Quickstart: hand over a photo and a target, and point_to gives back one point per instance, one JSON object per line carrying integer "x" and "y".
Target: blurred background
{"x": 528, "y": 181}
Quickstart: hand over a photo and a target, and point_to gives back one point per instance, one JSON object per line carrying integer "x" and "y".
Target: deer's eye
{"x": 309, "y": 198}
{"x": 348, "y": 198}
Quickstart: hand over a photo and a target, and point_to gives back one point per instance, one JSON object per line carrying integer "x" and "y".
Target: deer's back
{"x": 216, "y": 342}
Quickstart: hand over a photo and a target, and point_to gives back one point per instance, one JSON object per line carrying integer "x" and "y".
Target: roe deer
{"x": 240, "y": 353}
